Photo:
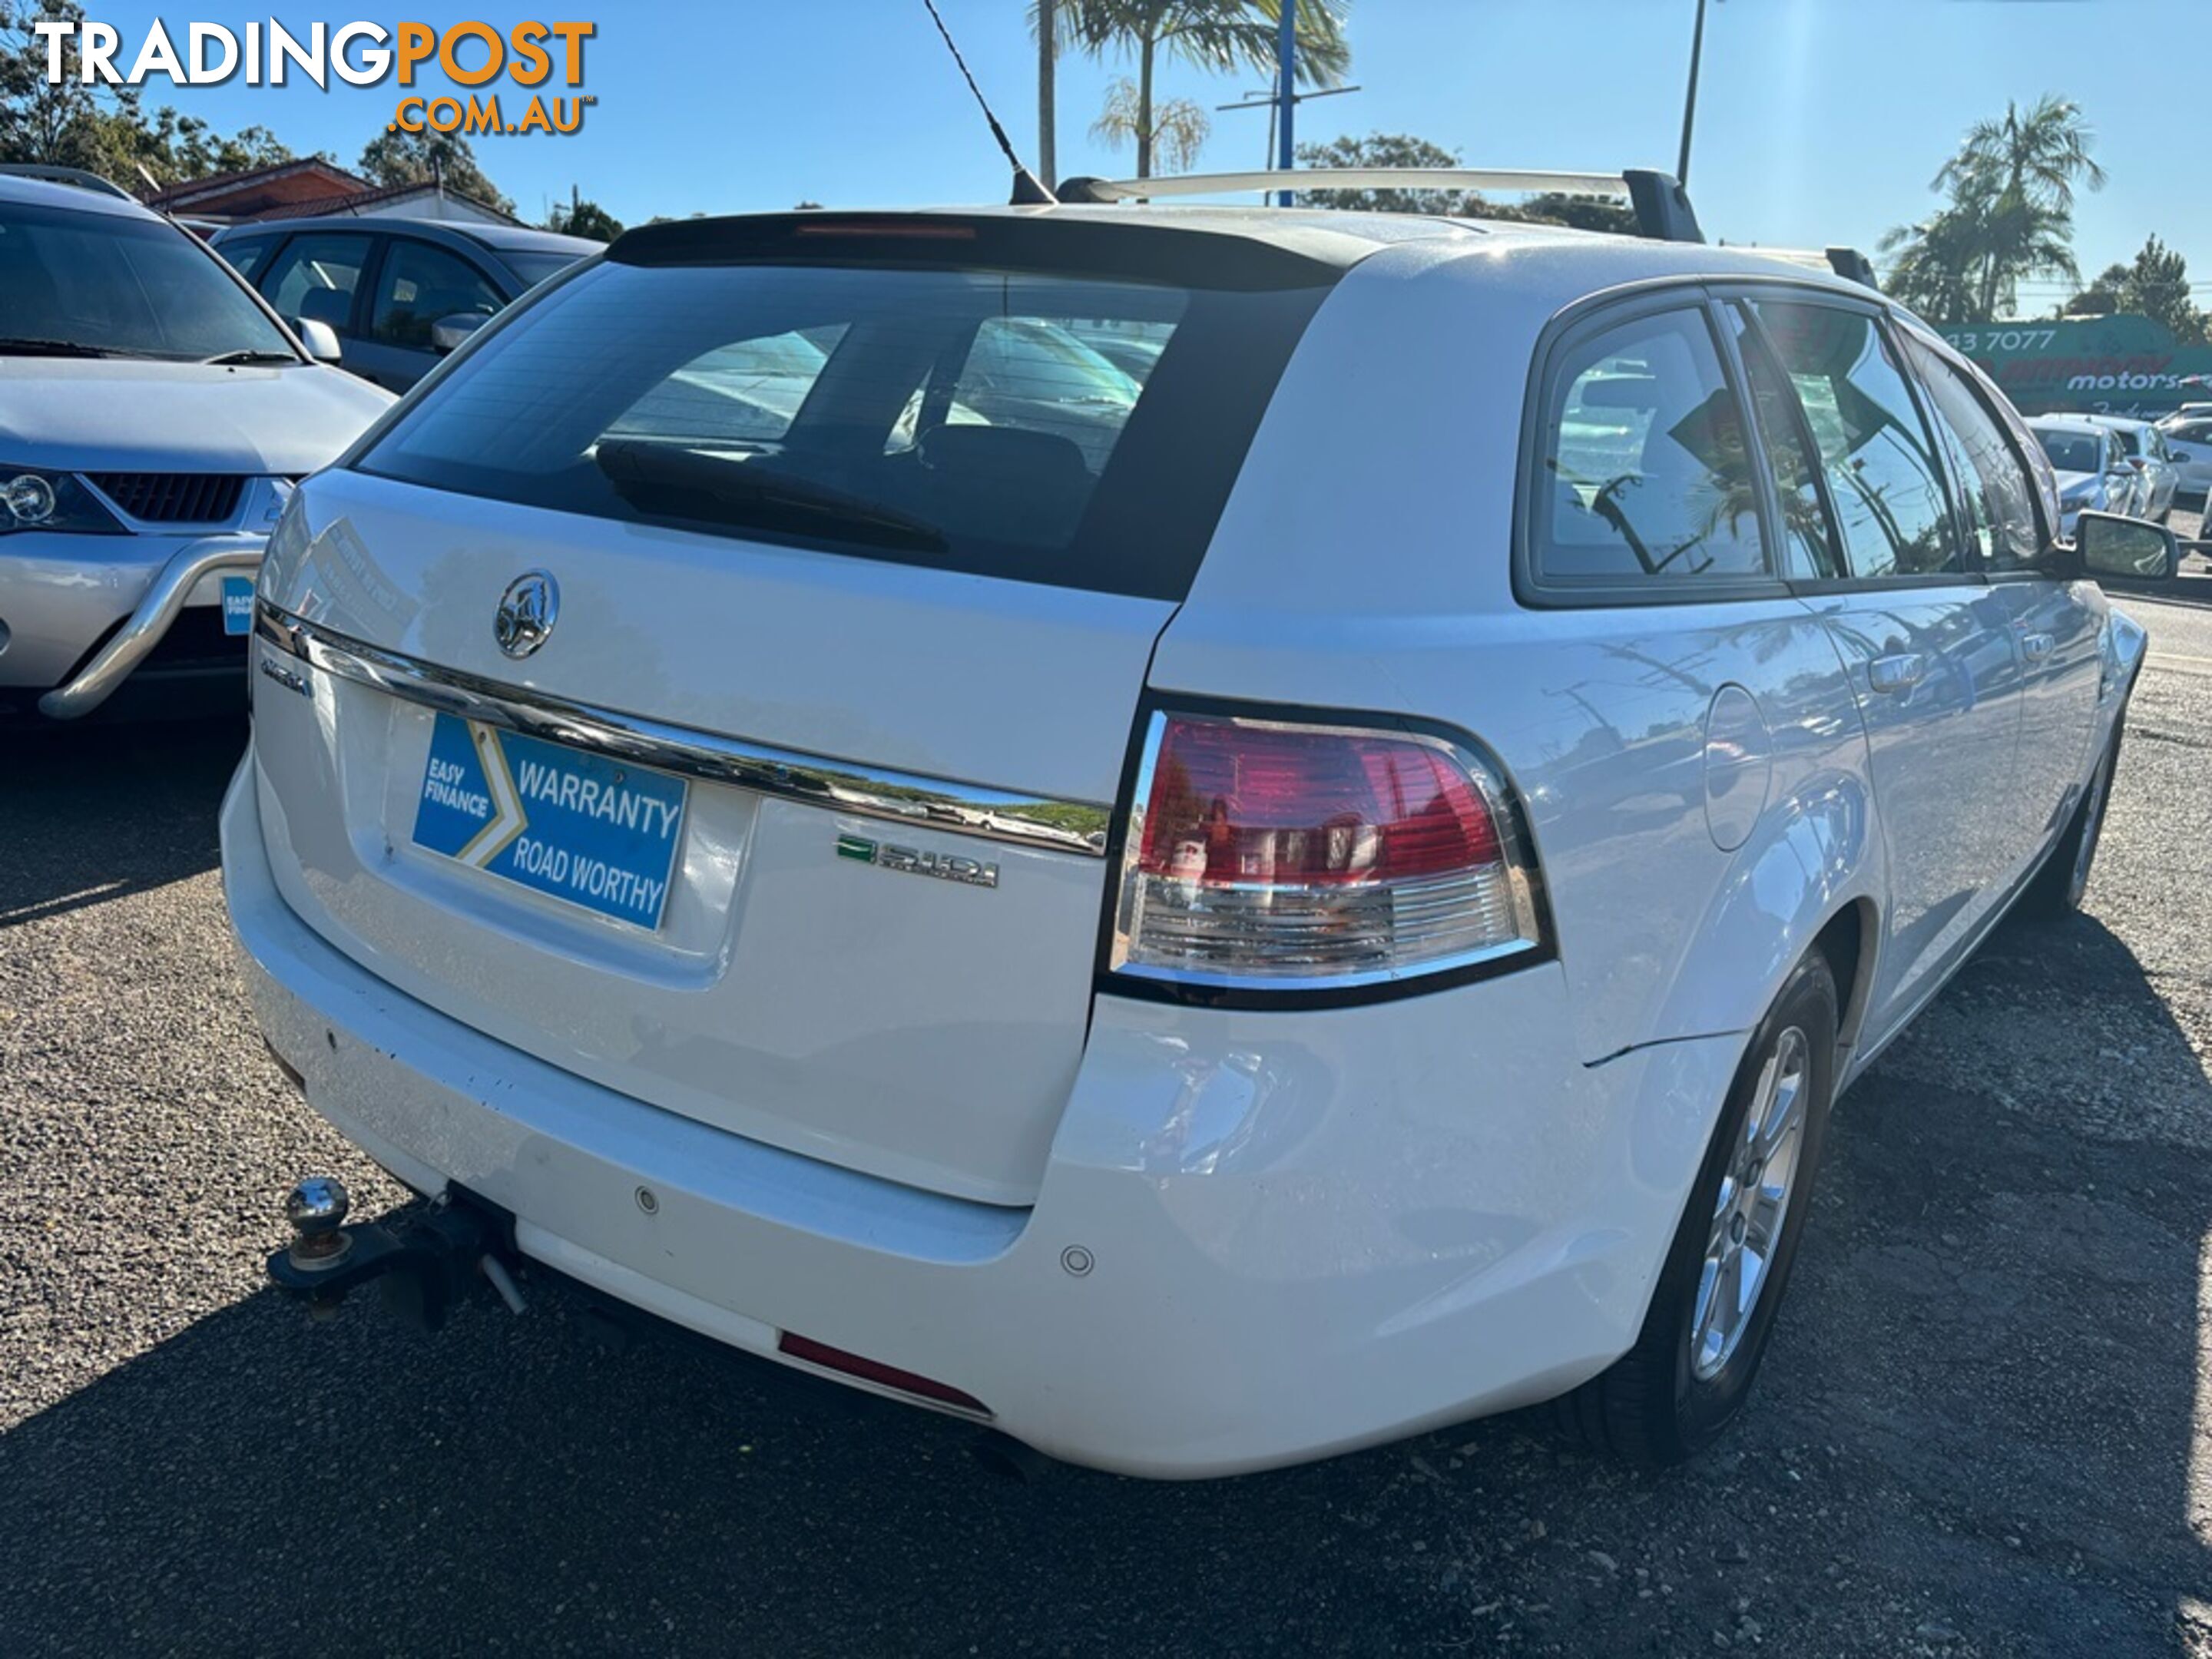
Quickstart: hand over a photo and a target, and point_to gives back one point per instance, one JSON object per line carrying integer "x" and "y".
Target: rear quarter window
{"x": 1643, "y": 480}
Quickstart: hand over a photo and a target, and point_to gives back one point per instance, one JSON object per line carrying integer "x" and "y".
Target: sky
{"x": 1819, "y": 121}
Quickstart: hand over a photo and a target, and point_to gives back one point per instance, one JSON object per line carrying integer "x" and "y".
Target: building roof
{"x": 319, "y": 207}
{"x": 308, "y": 187}
{"x": 299, "y": 180}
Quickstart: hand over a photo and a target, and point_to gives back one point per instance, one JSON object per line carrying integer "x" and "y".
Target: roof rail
{"x": 1661, "y": 205}
{"x": 58, "y": 175}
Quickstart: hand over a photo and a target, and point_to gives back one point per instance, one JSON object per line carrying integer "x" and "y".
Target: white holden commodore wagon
{"x": 1202, "y": 835}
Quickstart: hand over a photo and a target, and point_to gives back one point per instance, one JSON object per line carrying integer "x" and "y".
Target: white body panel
{"x": 1326, "y": 1199}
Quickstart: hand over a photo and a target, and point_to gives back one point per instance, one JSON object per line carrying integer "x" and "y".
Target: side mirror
{"x": 320, "y": 337}
{"x": 449, "y": 333}
{"x": 2129, "y": 549}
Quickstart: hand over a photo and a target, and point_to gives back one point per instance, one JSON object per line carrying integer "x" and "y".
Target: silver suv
{"x": 154, "y": 415}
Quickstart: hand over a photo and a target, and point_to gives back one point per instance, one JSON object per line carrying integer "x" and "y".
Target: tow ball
{"x": 429, "y": 1253}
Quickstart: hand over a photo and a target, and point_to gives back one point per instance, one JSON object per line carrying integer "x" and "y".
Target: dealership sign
{"x": 2103, "y": 365}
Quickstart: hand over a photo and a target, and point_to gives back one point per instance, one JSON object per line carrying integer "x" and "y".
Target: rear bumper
{"x": 62, "y": 596}
{"x": 1300, "y": 1233}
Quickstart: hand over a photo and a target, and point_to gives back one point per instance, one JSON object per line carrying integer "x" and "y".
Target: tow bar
{"x": 427, "y": 1254}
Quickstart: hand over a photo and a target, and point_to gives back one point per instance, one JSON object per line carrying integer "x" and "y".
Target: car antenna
{"x": 1028, "y": 191}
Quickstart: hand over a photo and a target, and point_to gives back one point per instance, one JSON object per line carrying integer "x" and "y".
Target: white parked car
{"x": 2143, "y": 449}
{"x": 2093, "y": 475}
{"x": 2189, "y": 442}
{"x": 1345, "y": 913}
{"x": 154, "y": 416}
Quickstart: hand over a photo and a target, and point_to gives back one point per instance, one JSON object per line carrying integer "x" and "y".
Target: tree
{"x": 176, "y": 150}
{"x": 106, "y": 129}
{"x": 2102, "y": 297}
{"x": 417, "y": 158}
{"x": 1174, "y": 131}
{"x": 2010, "y": 214}
{"x": 1216, "y": 35}
{"x": 1385, "y": 149}
{"x": 584, "y": 217}
{"x": 58, "y": 124}
{"x": 2156, "y": 286}
{"x": 1398, "y": 150}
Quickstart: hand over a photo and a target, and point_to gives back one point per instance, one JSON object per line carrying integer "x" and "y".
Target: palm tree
{"x": 1174, "y": 131}
{"x": 2011, "y": 216}
{"x": 1217, "y": 35}
{"x": 2037, "y": 156}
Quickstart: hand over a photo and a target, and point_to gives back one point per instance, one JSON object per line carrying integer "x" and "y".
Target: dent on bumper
{"x": 1298, "y": 1234}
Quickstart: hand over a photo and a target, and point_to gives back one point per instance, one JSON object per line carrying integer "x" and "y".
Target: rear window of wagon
{"x": 1077, "y": 423}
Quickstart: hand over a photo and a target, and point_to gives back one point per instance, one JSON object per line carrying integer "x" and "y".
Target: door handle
{"x": 1894, "y": 675}
{"x": 2037, "y": 646}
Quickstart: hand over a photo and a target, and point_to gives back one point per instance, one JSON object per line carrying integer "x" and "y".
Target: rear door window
{"x": 939, "y": 414}
{"x": 1643, "y": 476}
{"x": 313, "y": 278}
{"x": 246, "y": 252}
{"x": 1878, "y": 455}
{"x": 1810, "y": 549}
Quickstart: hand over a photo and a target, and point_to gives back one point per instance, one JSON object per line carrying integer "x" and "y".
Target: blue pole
{"x": 1287, "y": 49}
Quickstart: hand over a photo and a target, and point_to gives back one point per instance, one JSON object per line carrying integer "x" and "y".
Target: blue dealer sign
{"x": 599, "y": 833}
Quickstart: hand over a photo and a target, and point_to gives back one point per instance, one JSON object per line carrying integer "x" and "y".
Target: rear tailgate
{"x": 890, "y": 770}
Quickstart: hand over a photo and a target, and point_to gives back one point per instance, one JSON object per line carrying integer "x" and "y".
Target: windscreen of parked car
{"x": 102, "y": 283}
{"x": 2071, "y": 451}
{"x": 950, "y": 417}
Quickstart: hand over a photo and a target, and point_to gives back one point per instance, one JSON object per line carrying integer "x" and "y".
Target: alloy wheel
{"x": 1755, "y": 1199}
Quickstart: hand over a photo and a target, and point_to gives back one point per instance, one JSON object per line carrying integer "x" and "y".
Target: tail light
{"x": 1267, "y": 854}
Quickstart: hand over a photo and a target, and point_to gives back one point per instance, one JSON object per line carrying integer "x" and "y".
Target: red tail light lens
{"x": 1268, "y": 853}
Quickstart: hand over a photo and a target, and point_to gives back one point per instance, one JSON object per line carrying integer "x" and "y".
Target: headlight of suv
{"x": 31, "y": 499}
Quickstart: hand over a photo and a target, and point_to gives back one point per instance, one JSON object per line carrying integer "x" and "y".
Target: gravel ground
{"x": 1985, "y": 1427}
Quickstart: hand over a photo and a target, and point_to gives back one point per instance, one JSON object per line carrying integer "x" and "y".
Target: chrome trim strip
{"x": 156, "y": 613}
{"x": 869, "y": 792}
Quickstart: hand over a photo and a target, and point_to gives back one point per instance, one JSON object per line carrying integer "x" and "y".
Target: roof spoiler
{"x": 58, "y": 175}
{"x": 1661, "y": 206}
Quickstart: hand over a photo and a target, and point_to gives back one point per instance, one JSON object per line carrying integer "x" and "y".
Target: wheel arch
{"x": 1846, "y": 940}
{"x": 1809, "y": 879}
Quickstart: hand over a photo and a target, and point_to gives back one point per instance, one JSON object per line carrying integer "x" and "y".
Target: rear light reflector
{"x": 1276, "y": 854}
{"x": 871, "y": 1370}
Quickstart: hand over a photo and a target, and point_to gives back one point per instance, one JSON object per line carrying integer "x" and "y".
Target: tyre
{"x": 2058, "y": 887}
{"x": 1714, "y": 1307}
